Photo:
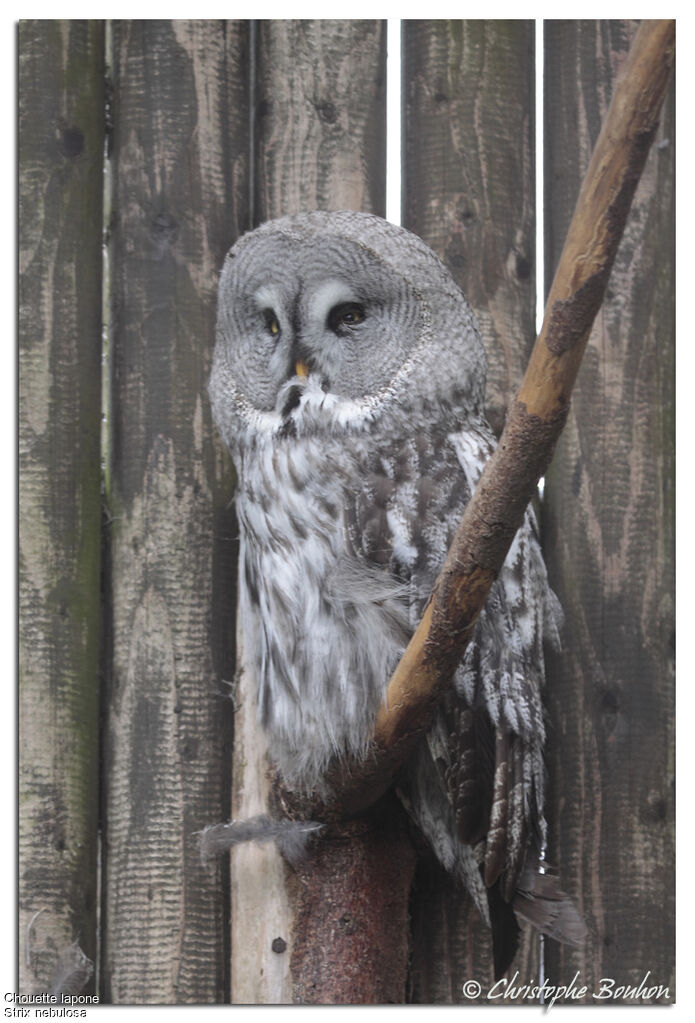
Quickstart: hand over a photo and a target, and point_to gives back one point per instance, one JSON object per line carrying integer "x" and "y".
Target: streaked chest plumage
{"x": 324, "y": 628}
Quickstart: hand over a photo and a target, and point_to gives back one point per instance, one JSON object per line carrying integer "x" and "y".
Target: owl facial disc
{"x": 358, "y": 314}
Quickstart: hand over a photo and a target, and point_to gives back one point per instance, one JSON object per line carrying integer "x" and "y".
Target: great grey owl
{"x": 348, "y": 383}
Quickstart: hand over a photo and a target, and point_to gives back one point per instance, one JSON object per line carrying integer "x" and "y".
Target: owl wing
{"x": 476, "y": 786}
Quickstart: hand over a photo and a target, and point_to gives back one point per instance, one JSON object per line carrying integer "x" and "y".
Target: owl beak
{"x": 301, "y": 368}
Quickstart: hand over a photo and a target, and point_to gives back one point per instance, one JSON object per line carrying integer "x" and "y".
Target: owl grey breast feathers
{"x": 348, "y": 383}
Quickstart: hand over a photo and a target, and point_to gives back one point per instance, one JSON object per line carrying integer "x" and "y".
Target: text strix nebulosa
{"x": 348, "y": 383}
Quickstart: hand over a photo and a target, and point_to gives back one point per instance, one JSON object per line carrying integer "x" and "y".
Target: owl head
{"x": 331, "y": 320}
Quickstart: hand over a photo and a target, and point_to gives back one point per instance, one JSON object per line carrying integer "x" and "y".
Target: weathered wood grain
{"x": 320, "y": 117}
{"x": 180, "y": 176}
{"x": 262, "y": 890}
{"x": 319, "y": 128}
{"x": 469, "y": 191}
{"x": 609, "y": 533}
{"x": 60, "y": 228}
{"x": 469, "y": 176}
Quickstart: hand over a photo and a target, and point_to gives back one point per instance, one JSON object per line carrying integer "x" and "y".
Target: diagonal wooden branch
{"x": 534, "y": 423}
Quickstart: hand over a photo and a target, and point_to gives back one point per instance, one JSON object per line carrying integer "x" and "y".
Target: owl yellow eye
{"x": 271, "y": 321}
{"x": 347, "y": 314}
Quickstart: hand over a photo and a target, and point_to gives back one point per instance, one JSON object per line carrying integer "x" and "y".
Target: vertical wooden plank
{"x": 320, "y": 117}
{"x": 469, "y": 176}
{"x": 180, "y": 173}
{"x": 320, "y": 126}
{"x": 60, "y": 234}
{"x": 469, "y": 190}
{"x": 609, "y": 517}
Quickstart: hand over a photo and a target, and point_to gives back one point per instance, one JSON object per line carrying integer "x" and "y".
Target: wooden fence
{"x": 146, "y": 148}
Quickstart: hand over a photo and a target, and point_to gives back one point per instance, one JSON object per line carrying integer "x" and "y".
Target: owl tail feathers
{"x": 291, "y": 837}
{"x": 540, "y": 901}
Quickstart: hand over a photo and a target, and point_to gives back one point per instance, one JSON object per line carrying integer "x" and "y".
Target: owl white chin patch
{"x": 304, "y": 401}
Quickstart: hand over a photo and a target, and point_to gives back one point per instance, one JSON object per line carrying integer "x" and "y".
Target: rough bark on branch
{"x": 534, "y": 423}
